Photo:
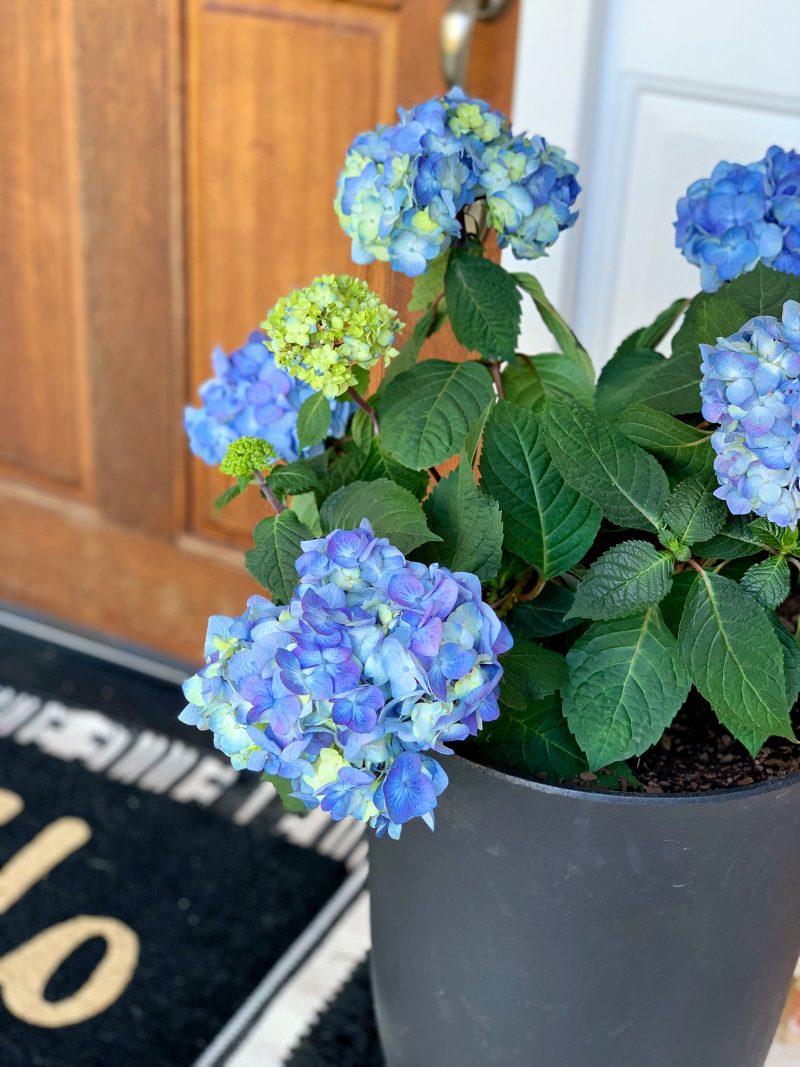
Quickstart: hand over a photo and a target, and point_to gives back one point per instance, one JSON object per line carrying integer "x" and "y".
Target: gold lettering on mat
{"x": 39, "y": 857}
{"x": 26, "y": 971}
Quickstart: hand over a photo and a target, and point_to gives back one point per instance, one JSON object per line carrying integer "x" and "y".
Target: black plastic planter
{"x": 548, "y": 927}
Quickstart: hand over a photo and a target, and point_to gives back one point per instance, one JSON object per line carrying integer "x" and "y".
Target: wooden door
{"x": 167, "y": 171}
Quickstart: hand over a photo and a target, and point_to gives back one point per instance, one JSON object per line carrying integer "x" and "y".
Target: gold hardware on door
{"x": 458, "y": 24}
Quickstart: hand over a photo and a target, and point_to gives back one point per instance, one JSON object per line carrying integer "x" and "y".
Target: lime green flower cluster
{"x": 246, "y": 456}
{"x": 323, "y": 333}
{"x": 474, "y": 118}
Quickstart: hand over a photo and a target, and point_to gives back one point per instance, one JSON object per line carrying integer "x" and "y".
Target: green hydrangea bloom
{"x": 470, "y": 117}
{"x": 323, "y": 333}
{"x": 247, "y": 455}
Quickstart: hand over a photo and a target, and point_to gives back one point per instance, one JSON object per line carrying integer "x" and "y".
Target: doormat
{"x": 145, "y": 891}
{"x": 345, "y": 1034}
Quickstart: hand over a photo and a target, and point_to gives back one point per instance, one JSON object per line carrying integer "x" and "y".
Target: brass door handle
{"x": 455, "y": 38}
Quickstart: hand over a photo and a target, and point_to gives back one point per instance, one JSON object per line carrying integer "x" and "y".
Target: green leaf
{"x": 532, "y": 740}
{"x": 709, "y": 317}
{"x": 761, "y": 291}
{"x": 599, "y": 462}
{"x": 620, "y": 381}
{"x": 692, "y": 513}
{"x": 361, "y": 431}
{"x": 473, "y": 439}
{"x": 342, "y": 469}
{"x": 612, "y": 776}
{"x": 735, "y": 660}
{"x": 468, "y": 522}
{"x": 626, "y": 684}
{"x": 393, "y": 512}
{"x": 362, "y": 377}
{"x": 651, "y": 336}
{"x": 769, "y": 581}
{"x": 313, "y": 420}
{"x": 675, "y": 601}
{"x": 283, "y": 787}
{"x": 625, "y": 580}
{"x": 305, "y": 507}
{"x": 530, "y": 672}
{"x": 426, "y": 326}
{"x": 675, "y": 386}
{"x": 791, "y": 659}
{"x": 231, "y": 493}
{"x": 293, "y": 478}
{"x": 378, "y": 464}
{"x": 277, "y": 546}
{"x": 427, "y": 412}
{"x": 430, "y": 284}
{"x": 682, "y": 449}
{"x": 558, "y": 327}
{"x": 546, "y": 616}
{"x": 784, "y": 539}
{"x": 483, "y": 304}
{"x": 734, "y": 541}
{"x": 550, "y": 374}
{"x": 547, "y": 523}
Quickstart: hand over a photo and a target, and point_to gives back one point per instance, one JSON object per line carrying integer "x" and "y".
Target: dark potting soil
{"x": 697, "y": 754}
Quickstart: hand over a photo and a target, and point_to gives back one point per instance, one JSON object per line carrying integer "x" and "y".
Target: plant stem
{"x": 532, "y": 595}
{"x": 268, "y": 494}
{"x": 494, "y": 369}
{"x": 505, "y": 603}
{"x": 370, "y": 410}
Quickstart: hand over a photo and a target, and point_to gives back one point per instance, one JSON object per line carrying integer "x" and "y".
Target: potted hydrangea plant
{"x": 575, "y": 646}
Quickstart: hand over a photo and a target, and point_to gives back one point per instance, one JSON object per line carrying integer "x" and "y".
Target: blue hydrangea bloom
{"x": 742, "y": 215}
{"x": 751, "y": 388}
{"x": 249, "y": 396}
{"x": 530, "y": 189}
{"x": 403, "y": 187}
{"x": 375, "y": 665}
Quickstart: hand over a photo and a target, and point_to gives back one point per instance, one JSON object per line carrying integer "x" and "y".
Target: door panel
{"x": 42, "y": 402}
{"x": 645, "y": 105}
{"x": 171, "y": 167}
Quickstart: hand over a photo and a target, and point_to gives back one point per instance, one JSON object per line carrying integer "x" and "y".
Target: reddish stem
{"x": 370, "y": 410}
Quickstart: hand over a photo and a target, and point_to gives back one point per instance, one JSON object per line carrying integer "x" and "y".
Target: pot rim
{"x": 640, "y": 799}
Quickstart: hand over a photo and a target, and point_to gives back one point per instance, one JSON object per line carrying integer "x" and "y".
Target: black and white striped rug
{"x": 156, "y": 908}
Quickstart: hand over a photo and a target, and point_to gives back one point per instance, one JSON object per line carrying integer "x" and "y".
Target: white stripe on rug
{"x": 294, "y": 1010}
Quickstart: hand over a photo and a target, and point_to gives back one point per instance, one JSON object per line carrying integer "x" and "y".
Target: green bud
{"x": 247, "y": 455}
{"x": 679, "y": 550}
{"x": 325, "y": 333}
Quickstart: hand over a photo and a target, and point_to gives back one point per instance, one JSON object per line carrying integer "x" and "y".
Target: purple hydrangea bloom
{"x": 742, "y": 215}
{"x": 403, "y": 187}
{"x": 249, "y": 396}
{"x": 751, "y": 388}
{"x": 375, "y": 665}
